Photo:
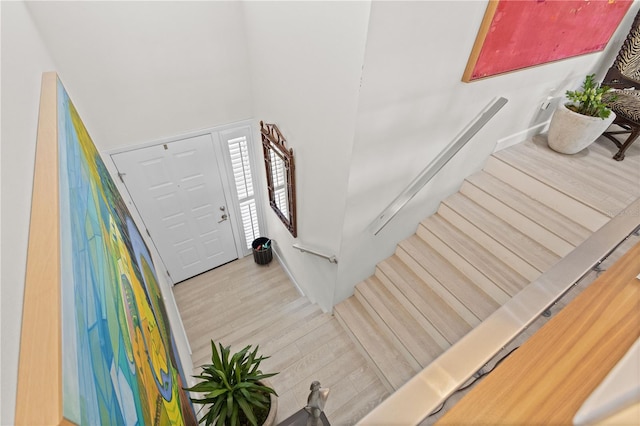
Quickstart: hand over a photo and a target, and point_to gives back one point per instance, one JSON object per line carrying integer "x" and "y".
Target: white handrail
{"x": 330, "y": 257}
{"x": 436, "y": 164}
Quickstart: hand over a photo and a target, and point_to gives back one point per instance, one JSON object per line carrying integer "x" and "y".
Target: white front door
{"x": 178, "y": 191}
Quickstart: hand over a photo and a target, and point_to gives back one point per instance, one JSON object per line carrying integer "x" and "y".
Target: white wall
{"x": 24, "y": 59}
{"x": 142, "y": 71}
{"x": 413, "y": 102}
{"x": 306, "y": 60}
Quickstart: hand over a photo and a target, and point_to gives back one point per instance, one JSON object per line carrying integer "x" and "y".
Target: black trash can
{"x": 262, "y": 253}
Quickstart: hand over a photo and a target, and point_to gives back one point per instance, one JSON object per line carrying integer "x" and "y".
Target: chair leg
{"x": 632, "y": 137}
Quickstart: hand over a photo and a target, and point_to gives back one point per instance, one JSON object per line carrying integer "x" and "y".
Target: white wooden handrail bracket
{"x": 330, "y": 257}
{"x": 436, "y": 164}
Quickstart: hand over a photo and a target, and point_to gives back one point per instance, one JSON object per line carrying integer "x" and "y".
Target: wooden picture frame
{"x": 525, "y": 33}
{"x": 39, "y": 392}
{"x": 96, "y": 344}
{"x": 281, "y": 182}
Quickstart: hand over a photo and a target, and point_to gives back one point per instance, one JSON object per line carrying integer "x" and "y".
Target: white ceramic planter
{"x": 570, "y": 132}
{"x": 273, "y": 410}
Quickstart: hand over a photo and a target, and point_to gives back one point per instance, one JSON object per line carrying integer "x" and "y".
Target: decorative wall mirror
{"x": 281, "y": 181}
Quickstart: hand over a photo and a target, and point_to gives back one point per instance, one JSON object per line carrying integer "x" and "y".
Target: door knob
{"x": 222, "y": 218}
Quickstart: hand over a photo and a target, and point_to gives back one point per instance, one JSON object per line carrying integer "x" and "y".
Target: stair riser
{"x": 424, "y": 323}
{"x": 386, "y": 359}
{"x": 426, "y": 301}
{"x": 350, "y": 332}
{"x": 555, "y": 222}
{"x": 449, "y": 298}
{"x": 515, "y": 241}
{"x": 482, "y": 259}
{"x": 382, "y": 325}
{"x": 462, "y": 265}
{"x": 548, "y": 196}
{"x": 485, "y": 240}
{"x": 520, "y": 222}
{"x": 589, "y": 190}
{"x": 463, "y": 289}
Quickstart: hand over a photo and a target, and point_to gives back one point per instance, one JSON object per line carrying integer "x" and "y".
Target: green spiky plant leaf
{"x": 591, "y": 100}
{"x": 231, "y": 388}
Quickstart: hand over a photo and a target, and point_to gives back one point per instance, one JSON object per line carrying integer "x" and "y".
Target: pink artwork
{"x": 517, "y": 34}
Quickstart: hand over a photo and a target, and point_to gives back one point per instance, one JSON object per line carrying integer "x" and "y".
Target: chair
{"x": 623, "y": 74}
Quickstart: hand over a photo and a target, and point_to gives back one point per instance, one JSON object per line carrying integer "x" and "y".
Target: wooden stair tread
{"x": 549, "y": 196}
{"x": 383, "y": 327}
{"x": 389, "y": 363}
{"x": 474, "y": 275}
{"x": 485, "y": 240}
{"x": 526, "y": 248}
{"x": 552, "y": 220}
{"x": 605, "y": 148}
{"x": 581, "y": 168}
{"x": 562, "y": 179}
{"x": 355, "y": 409}
{"x": 625, "y": 173}
{"x": 400, "y": 328}
{"x": 455, "y": 281}
{"x": 443, "y": 292}
{"x": 566, "y": 171}
{"x": 421, "y": 339}
{"x": 482, "y": 259}
{"x": 517, "y": 220}
{"x": 427, "y": 302}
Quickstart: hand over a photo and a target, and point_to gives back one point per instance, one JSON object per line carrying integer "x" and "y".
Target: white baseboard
{"x": 288, "y": 272}
{"x": 521, "y": 136}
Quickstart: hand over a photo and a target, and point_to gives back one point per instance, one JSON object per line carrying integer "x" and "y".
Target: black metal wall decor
{"x": 281, "y": 182}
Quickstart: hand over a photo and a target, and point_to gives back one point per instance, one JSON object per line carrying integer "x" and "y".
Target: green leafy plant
{"x": 232, "y": 387}
{"x": 589, "y": 100}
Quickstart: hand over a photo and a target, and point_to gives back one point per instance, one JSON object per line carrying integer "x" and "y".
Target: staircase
{"x": 507, "y": 225}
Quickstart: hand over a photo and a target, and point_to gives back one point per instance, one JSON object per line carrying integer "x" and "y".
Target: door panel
{"x": 178, "y": 191}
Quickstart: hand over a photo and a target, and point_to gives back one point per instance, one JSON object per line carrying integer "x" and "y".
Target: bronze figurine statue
{"x": 315, "y": 403}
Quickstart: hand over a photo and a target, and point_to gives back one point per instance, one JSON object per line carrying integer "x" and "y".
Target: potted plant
{"x": 578, "y": 123}
{"x": 234, "y": 389}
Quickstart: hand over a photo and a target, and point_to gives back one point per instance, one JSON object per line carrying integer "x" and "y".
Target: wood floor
{"x": 244, "y": 303}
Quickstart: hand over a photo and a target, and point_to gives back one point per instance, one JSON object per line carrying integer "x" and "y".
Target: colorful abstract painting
{"x": 120, "y": 363}
{"x": 517, "y": 34}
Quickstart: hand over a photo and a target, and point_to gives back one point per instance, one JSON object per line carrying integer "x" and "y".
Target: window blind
{"x": 241, "y": 167}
